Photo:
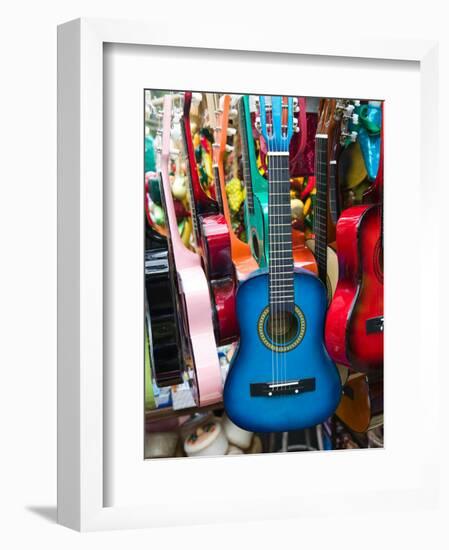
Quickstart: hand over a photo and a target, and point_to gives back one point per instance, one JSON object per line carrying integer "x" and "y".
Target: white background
{"x": 28, "y": 277}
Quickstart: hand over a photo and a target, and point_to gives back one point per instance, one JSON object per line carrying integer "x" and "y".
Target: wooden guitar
{"x": 325, "y": 255}
{"x": 361, "y": 406}
{"x": 354, "y": 323}
{"x": 241, "y": 252}
{"x": 281, "y": 377}
{"x": 212, "y": 236}
{"x": 193, "y": 291}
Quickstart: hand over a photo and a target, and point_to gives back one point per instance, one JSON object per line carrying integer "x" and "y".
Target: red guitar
{"x": 212, "y": 239}
{"x": 354, "y": 323}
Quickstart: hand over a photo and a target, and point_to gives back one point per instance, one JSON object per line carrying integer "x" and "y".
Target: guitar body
{"x": 331, "y": 267}
{"x": 257, "y": 227}
{"x": 354, "y": 324}
{"x": 163, "y": 330}
{"x": 216, "y": 254}
{"x": 255, "y": 363}
{"x": 361, "y": 403}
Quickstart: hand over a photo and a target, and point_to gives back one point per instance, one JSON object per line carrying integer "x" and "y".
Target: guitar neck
{"x": 320, "y": 221}
{"x": 245, "y": 126}
{"x": 216, "y": 172}
{"x": 202, "y": 203}
{"x": 281, "y": 290}
{"x": 191, "y": 185}
{"x": 182, "y": 257}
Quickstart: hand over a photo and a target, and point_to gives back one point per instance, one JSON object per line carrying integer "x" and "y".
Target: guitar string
{"x": 263, "y": 111}
{"x": 274, "y": 300}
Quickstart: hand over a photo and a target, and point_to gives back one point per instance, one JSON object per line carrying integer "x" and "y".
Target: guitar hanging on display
{"x": 325, "y": 255}
{"x": 193, "y": 292}
{"x": 281, "y": 377}
{"x": 355, "y": 322}
{"x": 241, "y": 252}
{"x": 212, "y": 237}
{"x": 256, "y": 203}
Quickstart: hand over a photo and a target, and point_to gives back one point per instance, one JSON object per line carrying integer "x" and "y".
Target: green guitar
{"x": 256, "y": 203}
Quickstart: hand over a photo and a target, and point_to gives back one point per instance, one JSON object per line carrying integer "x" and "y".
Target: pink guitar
{"x": 193, "y": 290}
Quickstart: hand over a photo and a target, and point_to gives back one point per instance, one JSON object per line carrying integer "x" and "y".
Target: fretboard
{"x": 218, "y": 188}
{"x": 280, "y": 263}
{"x": 191, "y": 190}
{"x": 245, "y": 158}
{"x": 320, "y": 220}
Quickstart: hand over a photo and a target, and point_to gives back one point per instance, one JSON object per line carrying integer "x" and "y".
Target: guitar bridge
{"x": 375, "y": 324}
{"x": 278, "y": 389}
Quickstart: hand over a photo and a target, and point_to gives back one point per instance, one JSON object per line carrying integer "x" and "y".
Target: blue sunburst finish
{"x": 253, "y": 362}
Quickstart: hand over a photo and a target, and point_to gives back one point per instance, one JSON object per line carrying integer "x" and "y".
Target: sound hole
{"x": 282, "y": 327}
{"x": 256, "y": 248}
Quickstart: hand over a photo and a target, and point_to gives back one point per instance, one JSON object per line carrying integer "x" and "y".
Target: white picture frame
{"x": 82, "y": 490}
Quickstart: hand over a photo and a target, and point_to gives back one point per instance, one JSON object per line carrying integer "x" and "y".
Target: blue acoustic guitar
{"x": 256, "y": 203}
{"x": 281, "y": 377}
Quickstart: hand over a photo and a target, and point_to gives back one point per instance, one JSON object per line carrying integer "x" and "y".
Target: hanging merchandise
{"x": 263, "y": 274}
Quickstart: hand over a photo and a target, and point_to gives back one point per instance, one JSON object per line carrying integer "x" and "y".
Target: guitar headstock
{"x": 326, "y": 117}
{"x": 276, "y": 122}
{"x": 348, "y": 121}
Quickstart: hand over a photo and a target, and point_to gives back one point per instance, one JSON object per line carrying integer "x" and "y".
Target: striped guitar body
{"x": 281, "y": 377}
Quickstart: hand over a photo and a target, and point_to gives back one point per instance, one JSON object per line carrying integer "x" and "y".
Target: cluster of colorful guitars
{"x": 264, "y": 230}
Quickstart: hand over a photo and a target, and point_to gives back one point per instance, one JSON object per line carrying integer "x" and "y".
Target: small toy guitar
{"x": 281, "y": 377}
{"x": 193, "y": 291}
{"x": 212, "y": 237}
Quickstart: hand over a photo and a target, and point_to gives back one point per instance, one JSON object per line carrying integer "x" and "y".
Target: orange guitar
{"x": 242, "y": 257}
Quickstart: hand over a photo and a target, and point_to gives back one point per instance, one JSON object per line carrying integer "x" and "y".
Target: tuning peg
{"x": 229, "y": 148}
{"x": 355, "y": 119}
{"x": 233, "y": 113}
{"x": 353, "y": 136}
{"x": 231, "y": 131}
